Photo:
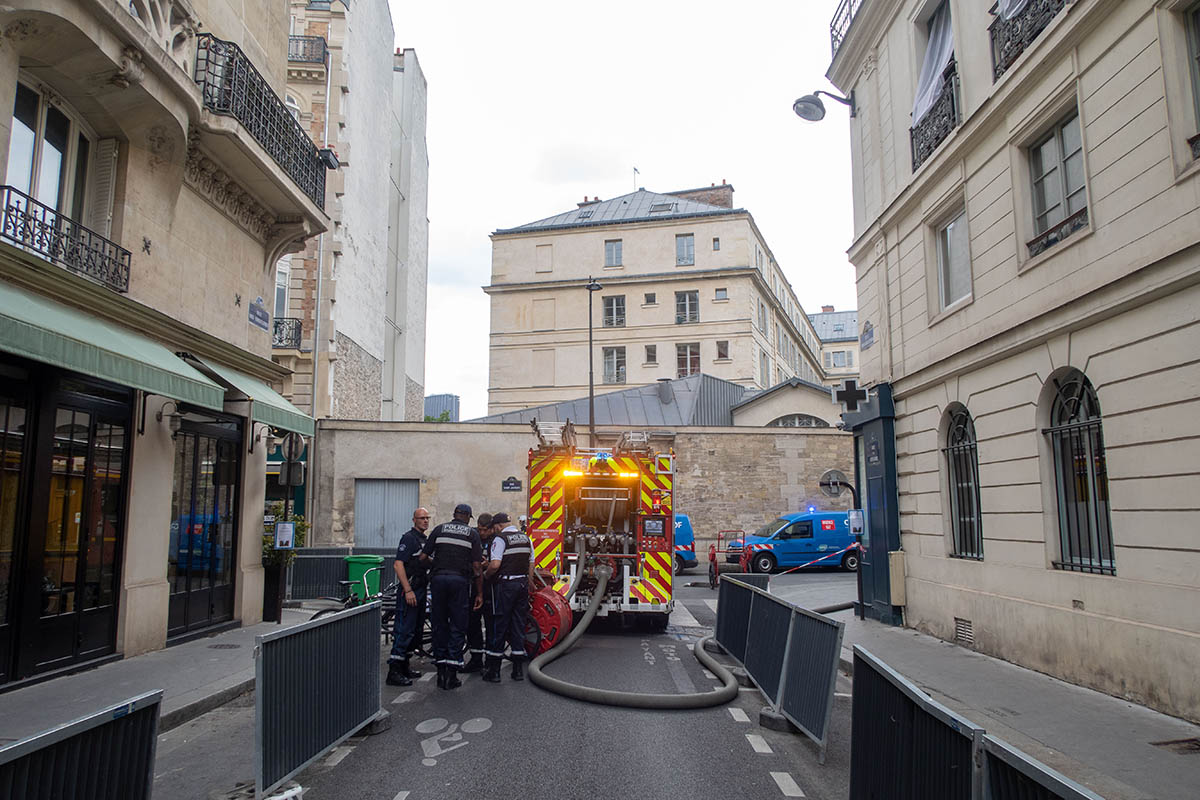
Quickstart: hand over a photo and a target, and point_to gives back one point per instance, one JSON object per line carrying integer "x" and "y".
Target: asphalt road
{"x": 514, "y": 740}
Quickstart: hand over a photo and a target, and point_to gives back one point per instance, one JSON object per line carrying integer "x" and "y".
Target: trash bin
{"x": 356, "y": 567}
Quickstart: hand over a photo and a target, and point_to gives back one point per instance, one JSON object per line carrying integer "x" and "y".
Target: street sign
{"x": 855, "y": 518}
{"x": 293, "y": 446}
{"x": 832, "y": 482}
{"x": 848, "y": 395}
{"x": 510, "y": 484}
{"x": 291, "y": 473}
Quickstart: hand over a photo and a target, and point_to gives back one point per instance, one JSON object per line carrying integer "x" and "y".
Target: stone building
{"x": 1029, "y": 266}
{"x": 689, "y": 285}
{"x": 152, "y": 179}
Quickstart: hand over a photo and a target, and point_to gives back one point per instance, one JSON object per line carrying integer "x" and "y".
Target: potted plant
{"x": 275, "y": 562}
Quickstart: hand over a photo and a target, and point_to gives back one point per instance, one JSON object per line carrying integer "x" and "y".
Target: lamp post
{"x": 592, "y": 288}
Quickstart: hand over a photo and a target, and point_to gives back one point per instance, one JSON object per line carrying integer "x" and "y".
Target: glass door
{"x": 13, "y": 407}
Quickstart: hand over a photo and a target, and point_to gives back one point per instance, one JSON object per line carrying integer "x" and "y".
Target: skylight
{"x": 661, "y": 208}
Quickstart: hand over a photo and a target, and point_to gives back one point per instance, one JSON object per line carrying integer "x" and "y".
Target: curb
{"x": 186, "y": 713}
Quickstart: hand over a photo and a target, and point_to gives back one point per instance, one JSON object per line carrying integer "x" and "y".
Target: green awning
{"x": 268, "y": 405}
{"x": 44, "y": 330}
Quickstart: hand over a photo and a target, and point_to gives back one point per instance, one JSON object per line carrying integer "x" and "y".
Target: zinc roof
{"x": 633, "y": 207}
{"x": 826, "y": 325}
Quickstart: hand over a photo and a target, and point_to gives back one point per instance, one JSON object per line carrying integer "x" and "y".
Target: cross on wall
{"x": 849, "y": 395}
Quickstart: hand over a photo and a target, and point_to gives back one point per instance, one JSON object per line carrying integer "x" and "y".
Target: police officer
{"x": 511, "y": 565}
{"x": 410, "y": 601}
{"x": 475, "y": 623}
{"x": 454, "y": 550}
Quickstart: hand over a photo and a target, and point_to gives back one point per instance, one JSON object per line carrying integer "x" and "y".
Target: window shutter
{"x": 849, "y": 358}
{"x": 104, "y": 182}
{"x": 828, "y": 360}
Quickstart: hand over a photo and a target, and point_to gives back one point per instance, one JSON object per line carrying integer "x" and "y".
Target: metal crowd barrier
{"x": 789, "y": 652}
{"x": 317, "y": 570}
{"x": 907, "y": 746}
{"x": 316, "y": 684}
{"x": 108, "y": 755}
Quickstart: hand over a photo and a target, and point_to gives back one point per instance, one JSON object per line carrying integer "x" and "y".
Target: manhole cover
{"x": 224, "y": 646}
{"x": 1181, "y": 746}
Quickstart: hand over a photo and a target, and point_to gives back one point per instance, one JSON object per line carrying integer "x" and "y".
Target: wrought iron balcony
{"x": 287, "y": 333}
{"x": 1056, "y": 233}
{"x": 40, "y": 229}
{"x": 840, "y": 25}
{"x": 1010, "y": 37}
{"x": 231, "y": 86}
{"x": 307, "y": 49}
{"x": 939, "y": 121}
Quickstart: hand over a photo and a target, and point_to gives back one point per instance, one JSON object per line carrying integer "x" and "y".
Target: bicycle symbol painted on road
{"x": 444, "y": 732}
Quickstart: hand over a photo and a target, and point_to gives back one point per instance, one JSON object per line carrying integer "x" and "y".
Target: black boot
{"x": 491, "y": 673}
{"x": 441, "y": 678}
{"x": 518, "y": 670}
{"x": 408, "y": 671}
{"x": 396, "y": 674}
{"x": 475, "y": 664}
{"x": 452, "y": 681}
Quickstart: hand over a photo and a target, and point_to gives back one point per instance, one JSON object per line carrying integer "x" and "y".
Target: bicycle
{"x": 387, "y": 598}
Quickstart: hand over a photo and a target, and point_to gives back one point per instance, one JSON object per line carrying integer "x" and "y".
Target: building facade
{"x": 689, "y": 285}
{"x": 153, "y": 178}
{"x": 1028, "y": 269}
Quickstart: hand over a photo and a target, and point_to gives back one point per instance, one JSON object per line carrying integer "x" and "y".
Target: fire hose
{"x": 613, "y": 697}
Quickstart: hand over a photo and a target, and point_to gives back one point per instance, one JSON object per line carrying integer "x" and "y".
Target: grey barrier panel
{"x": 810, "y": 674}
{"x": 733, "y": 617}
{"x": 1010, "y": 774}
{"x": 316, "y": 684}
{"x": 757, "y": 580}
{"x": 108, "y": 755}
{"x": 317, "y": 570}
{"x": 905, "y": 745}
{"x": 767, "y": 639}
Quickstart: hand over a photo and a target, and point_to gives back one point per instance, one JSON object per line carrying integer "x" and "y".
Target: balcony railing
{"x": 840, "y": 24}
{"x": 1010, "y": 37}
{"x": 307, "y": 49}
{"x": 939, "y": 121}
{"x": 233, "y": 87}
{"x": 40, "y": 229}
{"x": 1056, "y": 233}
{"x": 287, "y": 333}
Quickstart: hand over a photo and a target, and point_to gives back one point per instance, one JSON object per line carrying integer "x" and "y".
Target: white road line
{"x": 403, "y": 795}
{"x": 337, "y": 755}
{"x": 711, "y": 604}
{"x": 404, "y": 697}
{"x": 785, "y": 783}
{"x": 758, "y": 743}
{"x": 709, "y": 675}
{"x": 748, "y": 689}
{"x": 738, "y": 715}
{"x": 842, "y": 694}
{"x": 681, "y": 616}
{"x": 427, "y": 677}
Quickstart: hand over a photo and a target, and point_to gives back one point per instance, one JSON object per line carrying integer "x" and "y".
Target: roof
{"x": 639, "y": 206}
{"x": 797, "y": 383}
{"x": 695, "y": 400}
{"x": 827, "y": 325}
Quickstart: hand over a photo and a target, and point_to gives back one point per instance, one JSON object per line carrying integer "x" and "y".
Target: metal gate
{"x": 383, "y": 510}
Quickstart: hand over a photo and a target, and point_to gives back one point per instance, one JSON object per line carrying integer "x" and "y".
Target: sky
{"x": 533, "y": 105}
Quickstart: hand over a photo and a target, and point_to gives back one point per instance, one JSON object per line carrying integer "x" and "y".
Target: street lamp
{"x": 592, "y": 288}
{"x": 811, "y": 108}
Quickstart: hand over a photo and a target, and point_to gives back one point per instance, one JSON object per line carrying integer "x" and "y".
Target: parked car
{"x": 685, "y": 543}
{"x": 795, "y": 539}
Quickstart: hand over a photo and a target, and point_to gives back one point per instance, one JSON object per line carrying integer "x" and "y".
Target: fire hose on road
{"x": 613, "y": 697}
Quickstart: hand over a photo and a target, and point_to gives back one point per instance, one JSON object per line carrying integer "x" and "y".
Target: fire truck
{"x": 589, "y": 506}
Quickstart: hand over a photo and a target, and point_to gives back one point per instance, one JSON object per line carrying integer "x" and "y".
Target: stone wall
{"x": 414, "y": 401}
{"x": 356, "y": 381}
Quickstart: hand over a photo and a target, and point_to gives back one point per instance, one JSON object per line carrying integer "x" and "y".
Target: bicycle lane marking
{"x": 404, "y": 697}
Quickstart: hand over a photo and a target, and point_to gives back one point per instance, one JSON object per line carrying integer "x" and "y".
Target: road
{"x": 516, "y": 740}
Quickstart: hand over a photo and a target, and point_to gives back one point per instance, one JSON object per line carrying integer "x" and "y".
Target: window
{"x": 614, "y": 311}
{"x": 764, "y": 368}
{"x": 685, "y": 250}
{"x": 687, "y": 359}
{"x": 293, "y": 107}
{"x": 651, "y": 299}
{"x": 283, "y": 270}
{"x": 839, "y": 359}
{"x": 614, "y": 365}
{"x": 716, "y": 243}
{"x": 1057, "y": 183}
{"x": 612, "y": 253}
{"x": 721, "y": 294}
{"x": 651, "y": 354}
{"x": 1080, "y": 477}
{"x": 1193, "y": 35}
{"x": 687, "y": 307}
{"x": 953, "y": 261}
{"x": 722, "y": 349}
{"x": 48, "y": 154}
{"x": 962, "y": 472}
{"x": 762, "y": 316}
{"x": 799, "y": 421}
{"x": 661, "y": 208}
{"x": 586, "y": 213}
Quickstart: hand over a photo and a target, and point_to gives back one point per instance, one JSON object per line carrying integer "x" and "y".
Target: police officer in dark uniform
{"x": 511, "y": 565}
{"x": 475, "y": 623}
{"x": 410, "y": 601}
{"x": 456, "y": 555}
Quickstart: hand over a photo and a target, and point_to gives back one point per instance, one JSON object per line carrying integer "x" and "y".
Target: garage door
{"x": 383, "y": 511}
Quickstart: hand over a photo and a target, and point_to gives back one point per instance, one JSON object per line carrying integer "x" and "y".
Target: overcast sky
{"x": 533, "y": 105}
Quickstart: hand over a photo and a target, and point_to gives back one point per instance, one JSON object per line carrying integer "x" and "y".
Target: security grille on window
{"x": 612, "y": 253}
{"x": 651, "y": 354}
{"x": 614, "y": 365}
{"x": 650, "y": 299}
{"x": 953, "y": 261}
{"x": 687, "y": 359}
{"x": 614, "y": 311}
{"x": 1080, "y": 477}
{"x": 722, "y": 349}
{"x": 962, "y": 470}
{"x": 1059, "y": 191}
{"x": 687, "y": 307}
{"x": 685, "y": 249}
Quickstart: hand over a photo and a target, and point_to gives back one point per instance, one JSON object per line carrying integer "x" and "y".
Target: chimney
{"x": 826, "y": 309}
{"x": 587, "y": 202}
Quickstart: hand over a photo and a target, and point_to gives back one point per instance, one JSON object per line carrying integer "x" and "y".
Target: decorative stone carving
{"x": 172, "y": 24}
{"x": 130, "y": 70}
{"x": 208, "y": 179}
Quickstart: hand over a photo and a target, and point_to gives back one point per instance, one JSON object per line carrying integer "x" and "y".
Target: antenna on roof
{"x": 635, "y": 174}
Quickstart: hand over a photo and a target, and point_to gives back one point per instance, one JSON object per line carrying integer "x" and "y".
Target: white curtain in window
{"x": 1010, "y": 8}
{"x": 938, "y": 54}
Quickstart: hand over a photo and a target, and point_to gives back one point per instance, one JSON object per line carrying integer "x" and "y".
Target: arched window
{"x": 293, "y": 107}
{"x": 962, "y": 472}
{"x": 798, "y": 421}
{"x": 1080, "y": 477}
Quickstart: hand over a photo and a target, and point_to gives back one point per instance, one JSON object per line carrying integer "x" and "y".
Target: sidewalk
{"x": 195, "y": 677}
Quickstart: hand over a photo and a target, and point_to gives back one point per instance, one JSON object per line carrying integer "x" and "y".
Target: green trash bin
{"x": 356, "y": 567}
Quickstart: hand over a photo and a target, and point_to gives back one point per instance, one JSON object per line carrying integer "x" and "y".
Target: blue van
{"x": 685, "y": 543}
{"x": 795, "y": 539}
